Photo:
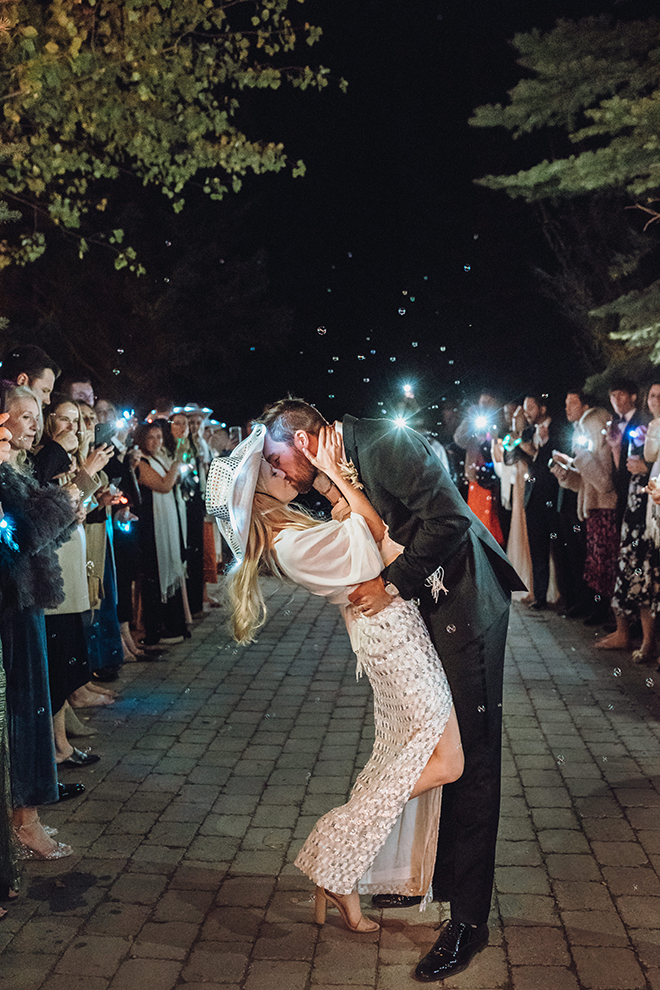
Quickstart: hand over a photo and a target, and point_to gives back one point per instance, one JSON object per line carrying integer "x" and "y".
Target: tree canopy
{"x": 94, "y": 90}
{"x": 599, "y": 83}
{"x": 592, "y": 91}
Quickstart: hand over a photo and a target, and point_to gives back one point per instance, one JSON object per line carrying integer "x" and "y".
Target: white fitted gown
{"x": 379, "y": 841}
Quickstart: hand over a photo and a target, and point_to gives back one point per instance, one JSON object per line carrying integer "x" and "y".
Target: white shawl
{"x": 169, "y": 530}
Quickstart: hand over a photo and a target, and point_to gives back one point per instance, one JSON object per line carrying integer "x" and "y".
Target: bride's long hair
{"x": 269, "y": 517}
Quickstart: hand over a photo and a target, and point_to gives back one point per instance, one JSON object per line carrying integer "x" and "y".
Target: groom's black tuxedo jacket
{"x": 424, "y": 511}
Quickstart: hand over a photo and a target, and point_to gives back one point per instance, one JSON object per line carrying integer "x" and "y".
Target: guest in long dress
{"x": 635, "y": 591}
{"x": 40, "y": 519}
{"x": 9, "y": 873}
{"x": 162, "y": 540}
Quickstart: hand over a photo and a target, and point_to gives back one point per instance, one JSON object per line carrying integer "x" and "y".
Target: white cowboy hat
{"x": 230, "y": 489}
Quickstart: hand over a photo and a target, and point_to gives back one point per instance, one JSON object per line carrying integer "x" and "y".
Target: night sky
{"x": 394, "y": 266}
{"x": 415, "y": 274}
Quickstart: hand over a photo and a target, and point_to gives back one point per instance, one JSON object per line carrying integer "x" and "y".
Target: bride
{"x": 384, "y": 838}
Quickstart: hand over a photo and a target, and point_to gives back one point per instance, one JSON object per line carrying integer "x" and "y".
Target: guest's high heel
{"x": 25, "y": 851}
{"x": 324, "y": 897}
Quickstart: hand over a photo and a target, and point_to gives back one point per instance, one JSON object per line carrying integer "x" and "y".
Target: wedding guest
{"x": 41, "y": 519}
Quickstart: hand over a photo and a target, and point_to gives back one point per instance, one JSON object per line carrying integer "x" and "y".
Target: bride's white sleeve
{"x": 329, "y": 559}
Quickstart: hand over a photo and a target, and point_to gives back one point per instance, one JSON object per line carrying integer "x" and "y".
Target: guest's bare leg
{"x": 619, "y": 640}
{"x": 63, "y": 748}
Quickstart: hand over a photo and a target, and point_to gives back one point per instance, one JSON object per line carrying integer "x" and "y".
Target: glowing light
{"x": 481, "y": 422}
{"x": 7, "y": 533}
{"x": 399, "y": 422}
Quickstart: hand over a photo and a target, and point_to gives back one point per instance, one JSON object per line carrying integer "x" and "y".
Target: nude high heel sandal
{"x": 324, "y": 897}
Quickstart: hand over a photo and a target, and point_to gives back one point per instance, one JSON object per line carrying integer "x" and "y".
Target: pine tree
{"x": 592, "y": 89}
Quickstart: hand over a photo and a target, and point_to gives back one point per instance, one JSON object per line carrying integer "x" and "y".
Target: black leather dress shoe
{"x": 80, "y": 759}
{"x": 453, "y": 952}
{"x": 67, "y": 791}
{"x": 394, "y": 901}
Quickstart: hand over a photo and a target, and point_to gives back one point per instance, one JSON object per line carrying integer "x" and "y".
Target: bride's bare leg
{"x": 446, "y": 761}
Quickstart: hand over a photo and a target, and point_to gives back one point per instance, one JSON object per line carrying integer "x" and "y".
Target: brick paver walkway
{"x": 216, "y": 763}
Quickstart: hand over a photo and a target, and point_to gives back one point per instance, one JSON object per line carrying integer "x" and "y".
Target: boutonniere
{"x": 349, "y": 473}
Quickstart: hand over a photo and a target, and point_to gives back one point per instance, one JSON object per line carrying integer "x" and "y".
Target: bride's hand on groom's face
{"x": 329, "y": 452}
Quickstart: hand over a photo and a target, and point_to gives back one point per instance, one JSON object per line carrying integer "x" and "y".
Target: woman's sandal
{"x": 324, "y": 897}
{"x": 643, "y": 656}
{"x": 25, "y": 851}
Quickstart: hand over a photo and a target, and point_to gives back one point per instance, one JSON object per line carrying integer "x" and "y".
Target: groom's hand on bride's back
{"x": 370, "y": 597}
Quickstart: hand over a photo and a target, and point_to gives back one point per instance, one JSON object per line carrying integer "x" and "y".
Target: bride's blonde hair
{"x": 269, "y": 517}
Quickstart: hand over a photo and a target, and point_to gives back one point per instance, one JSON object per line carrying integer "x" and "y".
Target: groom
{"x": 466, "y": 608}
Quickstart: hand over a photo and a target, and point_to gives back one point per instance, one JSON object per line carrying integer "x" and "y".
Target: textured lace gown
{"x": 379, "y": 841}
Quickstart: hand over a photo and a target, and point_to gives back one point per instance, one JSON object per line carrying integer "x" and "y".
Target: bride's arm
{"x": 328, "y": 458}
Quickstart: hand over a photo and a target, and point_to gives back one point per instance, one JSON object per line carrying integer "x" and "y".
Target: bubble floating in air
{"x": 321, "y": 331}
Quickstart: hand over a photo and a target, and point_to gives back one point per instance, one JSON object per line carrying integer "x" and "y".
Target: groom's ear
{"x": 305, "y": 441}
{"x": 301, "y": 440}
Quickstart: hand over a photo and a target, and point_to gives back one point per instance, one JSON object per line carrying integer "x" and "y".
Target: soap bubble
{"x": 560, "y": 759}
{"x": 649, "y": 682}
{"x": 335, "y": 358}
{"x": 366, "y": 379}
{"x": 451, "y": 628}
{"x": 402, "y": 311}
{"x": 481, "y": 708}
{"x": 414, "y": 343}
{"x": 360, "y": 357}
{"x": 392, "y": 359}
{"x": 321, "y": 331}
{"x": 617, "y": 672}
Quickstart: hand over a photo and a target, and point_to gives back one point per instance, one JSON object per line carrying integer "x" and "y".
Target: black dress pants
{"x": 465, "y": 864}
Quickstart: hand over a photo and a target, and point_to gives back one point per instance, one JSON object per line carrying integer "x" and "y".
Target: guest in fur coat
{"x": 37, "y": 520}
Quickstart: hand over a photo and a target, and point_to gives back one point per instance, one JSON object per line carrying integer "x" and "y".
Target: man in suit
{"x": 463, "y": 582}
{"x": 541, "y": 489}
{"x": 624, "y": 437}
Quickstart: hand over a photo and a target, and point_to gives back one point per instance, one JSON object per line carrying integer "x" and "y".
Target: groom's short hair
{"x": 285, "y": 417}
